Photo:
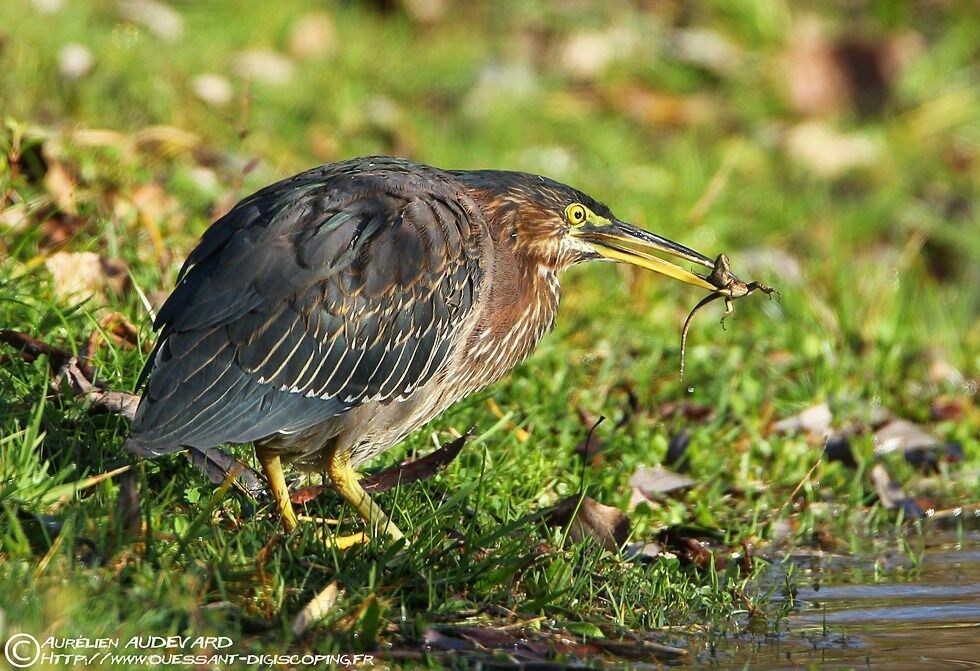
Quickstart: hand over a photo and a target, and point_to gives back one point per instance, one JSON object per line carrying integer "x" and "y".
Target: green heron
{"x": 328, "y": 315}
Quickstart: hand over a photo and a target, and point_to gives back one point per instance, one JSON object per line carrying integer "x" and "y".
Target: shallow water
{"x": 876, "y": 612}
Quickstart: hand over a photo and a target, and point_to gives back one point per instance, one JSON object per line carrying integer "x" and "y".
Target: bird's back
{"x": 341, "y": 286}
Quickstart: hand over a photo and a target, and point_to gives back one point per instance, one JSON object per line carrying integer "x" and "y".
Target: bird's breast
{"x": 518, "y": 311}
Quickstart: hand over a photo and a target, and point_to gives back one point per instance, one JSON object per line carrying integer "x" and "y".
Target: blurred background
{"x": 809, "y": 135}
{"x": 831, "y": 149}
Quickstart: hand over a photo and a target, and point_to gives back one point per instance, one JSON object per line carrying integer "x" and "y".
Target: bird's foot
{"x": 342, "y": 542}
{"x": 332, "y": 540}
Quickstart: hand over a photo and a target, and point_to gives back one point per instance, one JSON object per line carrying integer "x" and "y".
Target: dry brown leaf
{"x": 587, "y": 518}
{"x": 901, "y": 435}
{"x": 651, "y": 483}
{"x": 61, "y": 188}
{"x": 814, "y": 421}
{"x": 891, "y": 495}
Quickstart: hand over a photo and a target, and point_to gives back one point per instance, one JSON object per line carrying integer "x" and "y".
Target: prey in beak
{"x": 619, "y": 241}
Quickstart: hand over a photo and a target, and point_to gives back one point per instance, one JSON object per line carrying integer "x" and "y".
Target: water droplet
{"x": 690, "y": 390}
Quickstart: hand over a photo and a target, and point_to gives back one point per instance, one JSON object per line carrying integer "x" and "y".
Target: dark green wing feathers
{"x": 340, "y": 285}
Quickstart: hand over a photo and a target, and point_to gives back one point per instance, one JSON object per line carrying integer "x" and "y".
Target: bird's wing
{"x": 307, "y": 299}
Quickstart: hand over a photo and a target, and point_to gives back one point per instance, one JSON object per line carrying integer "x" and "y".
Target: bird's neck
{"x": 522, "y": 301}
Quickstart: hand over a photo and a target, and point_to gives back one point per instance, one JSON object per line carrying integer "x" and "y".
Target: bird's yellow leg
{"x": 344, "y": 479}
{"x": 272, "y": 468}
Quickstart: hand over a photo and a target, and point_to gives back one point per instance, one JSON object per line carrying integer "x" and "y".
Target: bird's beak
{"x": 624, "y": 242}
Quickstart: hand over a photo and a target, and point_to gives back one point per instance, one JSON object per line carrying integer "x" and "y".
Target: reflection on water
{"x": 925, "y": 619}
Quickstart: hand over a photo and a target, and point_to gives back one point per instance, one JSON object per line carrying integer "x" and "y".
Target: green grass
{"x": 865, "y": 326}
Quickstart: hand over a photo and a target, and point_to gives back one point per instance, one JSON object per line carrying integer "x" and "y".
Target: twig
{"x": 405, "y": 473}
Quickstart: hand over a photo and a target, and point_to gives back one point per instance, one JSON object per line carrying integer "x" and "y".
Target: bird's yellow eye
{"x": 576, "y": 214}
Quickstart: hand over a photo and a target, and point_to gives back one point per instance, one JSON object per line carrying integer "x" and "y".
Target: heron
{"x": 327, "y": 316}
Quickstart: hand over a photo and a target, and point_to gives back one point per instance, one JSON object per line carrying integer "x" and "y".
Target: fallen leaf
{"x": 404, "y": 474}
{"x": 61, "y": 188}
{"x": 814, "y": 421}
{"x": 587, "y": 518}
{"x": 319, "y": 607}
{"x": 590, "y": 447}
{"x": 651, "y": 483}
{"x": 920, "y": 448}
{"x": 902, "y": 435}
{"x": 827, "y": 75}
{"x": 941, "y": 371}
{"x": 122, "y": 332}
{"x": 658, "y": 108}
{"x": 60, "y": 227}
{"x": 165, "y": 140}
{"x": 153, "y": 203}
{"x": 585, "y": 54}
{"x": 947, "y": 409}
{"x": 891, "y": 495}
{"x": 425, "y": 12}
{"x": 420, "y": 469}
{"x": 15, "y": 218}
{"x": 928, "y": 459}
{"x": 48, "y": 6}
{"x": 644, "y": 550}
{"x": 706, "y": 48}
{"x": 697, "y": 553}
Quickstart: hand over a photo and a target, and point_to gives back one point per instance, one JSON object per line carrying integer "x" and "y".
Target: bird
{"x": 327, "y": 316}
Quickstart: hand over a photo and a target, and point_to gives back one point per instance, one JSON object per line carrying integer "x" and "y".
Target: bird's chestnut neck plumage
{"x": 529, "y": 209}
{"x": 522, "y": 299}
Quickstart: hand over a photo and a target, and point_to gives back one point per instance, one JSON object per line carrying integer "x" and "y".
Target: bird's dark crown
{"x": 530, "y": 188}
{"x": 530, "y": 210}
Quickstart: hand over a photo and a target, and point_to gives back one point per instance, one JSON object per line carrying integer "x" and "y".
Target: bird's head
{"x": 559, "y": 226}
